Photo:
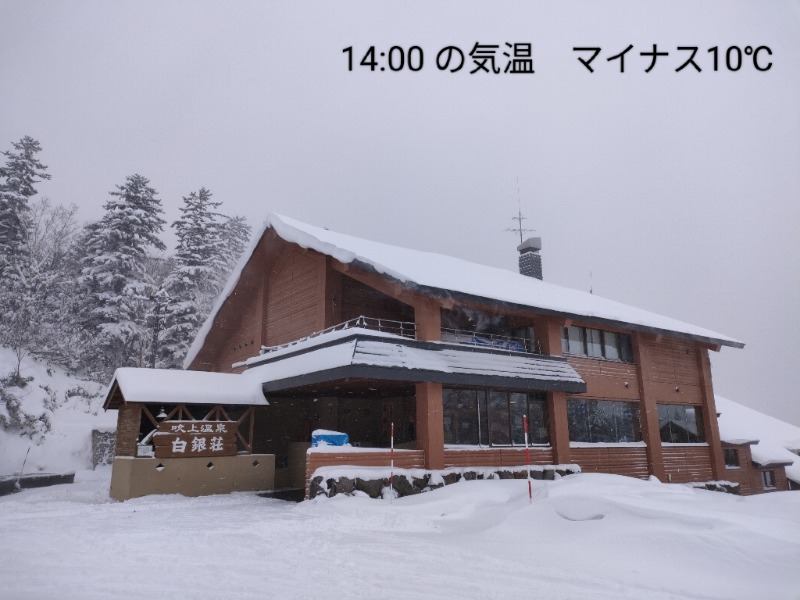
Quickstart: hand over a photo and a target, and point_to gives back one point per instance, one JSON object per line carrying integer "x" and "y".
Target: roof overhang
{"x": 173, "y": 386}
{"x": 361, "y": 355}
{"x": 772, "y": 464}
{"x": 713, "y": 342}
{"x": 738, "y": 442}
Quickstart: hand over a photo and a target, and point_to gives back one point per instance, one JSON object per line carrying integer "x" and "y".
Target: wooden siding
{"x": 359, "y": 299}
{"x": 496, "y": 457}
{"x": 612, "y": 459}
{"x": 781, "y": 481}
{"x": 748, "y": 474}
{"x": 295, "y": 297}
{"x": 606, "y": 378}
{"x": 684, "y": 464}
{"x": 674, "y": 371}
{"x": 244, "y": 334}
{"x": 743, "y": 472}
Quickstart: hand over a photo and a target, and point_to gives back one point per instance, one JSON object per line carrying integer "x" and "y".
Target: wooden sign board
{"x": 189, "y": 439}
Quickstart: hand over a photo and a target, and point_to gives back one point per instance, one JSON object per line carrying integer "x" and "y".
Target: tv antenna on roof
{"x": 519, "y": 219}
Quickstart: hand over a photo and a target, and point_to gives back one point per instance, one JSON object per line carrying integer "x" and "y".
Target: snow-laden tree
{"x": 18, "y": 179}
{"x": 19, "y": 313}
{"x": 198, "y": 262}
{"x": 114, "y": 275}
{"x": 235, "y": 235}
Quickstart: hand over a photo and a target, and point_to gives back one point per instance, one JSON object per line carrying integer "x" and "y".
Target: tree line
{"x": 104, "y": 295}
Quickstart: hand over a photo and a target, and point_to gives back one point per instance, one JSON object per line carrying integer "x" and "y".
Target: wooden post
{"x": 648, "y": 411}
{"x": 549, "y": 334}
{"x": 428, "y": 319}
{"x": 430, "y": 424}
{"x": 559, "y": 427}
{"x": 391, "y": 461}
{"x": 709, "y": 409}
{"x": 527, "y": 456}
{"x": 430, "y": 420}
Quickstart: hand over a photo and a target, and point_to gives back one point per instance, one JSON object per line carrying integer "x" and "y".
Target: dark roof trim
{"x": 770, "y": 465}
{"x": 420, "y": 376}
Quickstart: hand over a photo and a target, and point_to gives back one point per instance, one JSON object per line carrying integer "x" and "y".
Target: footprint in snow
{"x": 583, "y": 517}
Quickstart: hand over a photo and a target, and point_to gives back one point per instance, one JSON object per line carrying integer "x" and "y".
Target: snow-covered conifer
{"x": 198, "y": 260}
{"x": 18, "y": 275}
{"x": 18, "y": 179}
{"x": 114, "y": 273}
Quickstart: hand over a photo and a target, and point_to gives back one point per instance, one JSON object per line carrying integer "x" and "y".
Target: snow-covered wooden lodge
{"x": 320, "y": 330}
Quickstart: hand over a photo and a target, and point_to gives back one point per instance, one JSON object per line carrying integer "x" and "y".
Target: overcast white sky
{"x": 678, "y": 191}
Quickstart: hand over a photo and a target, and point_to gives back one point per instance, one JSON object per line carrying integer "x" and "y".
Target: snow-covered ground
{"x": 583, "y": 536}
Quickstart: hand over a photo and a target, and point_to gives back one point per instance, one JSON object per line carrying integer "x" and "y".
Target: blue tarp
{"x": 330, "y": 438}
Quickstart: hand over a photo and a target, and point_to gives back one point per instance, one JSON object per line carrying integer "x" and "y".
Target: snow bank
{"x": 59, "y": 412}
{"x": 584, "y": 536}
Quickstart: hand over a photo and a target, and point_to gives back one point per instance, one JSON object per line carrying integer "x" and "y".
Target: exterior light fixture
{"x": 162, "y": 415}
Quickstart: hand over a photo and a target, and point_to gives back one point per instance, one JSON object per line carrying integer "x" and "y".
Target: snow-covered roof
{"x": 433, "y": 272}
{"x": 775, "y": 437}
{"x": 361, "y": 354}
{"x": 166, "y": 386}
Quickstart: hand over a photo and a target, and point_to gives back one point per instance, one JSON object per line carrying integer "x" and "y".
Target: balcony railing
{"x": 405, "y": 329}
{"x": 408, "y": 329}
{"x": 489, "y": 340}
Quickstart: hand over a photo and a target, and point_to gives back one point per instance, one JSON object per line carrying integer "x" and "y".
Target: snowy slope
{"x": 775, "y": 437}
{"x": 70, "y": 405}
{"x": 588, "y": 536}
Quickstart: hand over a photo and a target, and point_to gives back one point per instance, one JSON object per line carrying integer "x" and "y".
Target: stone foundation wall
{"x": 374, "y": 482}
{"x": 103, "y": 445}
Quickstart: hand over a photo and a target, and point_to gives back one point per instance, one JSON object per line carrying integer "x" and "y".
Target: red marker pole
{"x": 527, "y": 456}
{"x": 391, "y": 461}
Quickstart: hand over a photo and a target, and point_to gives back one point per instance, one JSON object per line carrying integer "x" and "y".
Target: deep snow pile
{"x": 584, "y": 536}
{"x": 51, "y": 413}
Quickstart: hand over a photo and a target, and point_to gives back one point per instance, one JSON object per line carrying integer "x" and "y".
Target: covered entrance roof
{"x": 361, "y": 354}
{"x": 171, "y": 386}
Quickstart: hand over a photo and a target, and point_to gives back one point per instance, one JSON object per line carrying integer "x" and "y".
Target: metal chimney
{"x": 530, "y": 261}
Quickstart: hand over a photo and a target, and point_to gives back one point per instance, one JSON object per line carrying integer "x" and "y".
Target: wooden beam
{"x": 430, "y": 424}
{"x": 709, "y": 410}
{"x": 648, "y": 411}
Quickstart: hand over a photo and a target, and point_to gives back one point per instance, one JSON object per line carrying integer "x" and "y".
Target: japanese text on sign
{"x": 177, "y": 439}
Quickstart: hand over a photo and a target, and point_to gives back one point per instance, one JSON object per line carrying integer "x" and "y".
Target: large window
{"x": 596, "y": 343}
{"x": 603, "y": 421}
{"x": 768, "y": 479}
{"x": 494, "y": 417}
{"x": 680, "y": 424}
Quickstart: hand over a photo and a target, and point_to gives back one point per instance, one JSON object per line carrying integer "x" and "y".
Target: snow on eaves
{"x": 440, "y": 272}
{"x": 172, "y": 386}
{"x": 776, "y": 439}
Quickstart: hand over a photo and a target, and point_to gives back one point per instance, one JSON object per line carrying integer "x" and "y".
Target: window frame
{"x": 583, "y": 417}
{"x": 580, "y": 341}
{"x": 768, "y": 479}
{"x": 501, "y": 421}
{"x": 663, "y": 415}
{"x": 728, "y": 456}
